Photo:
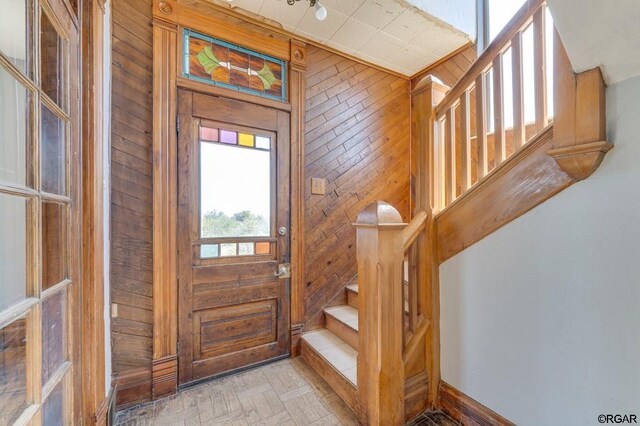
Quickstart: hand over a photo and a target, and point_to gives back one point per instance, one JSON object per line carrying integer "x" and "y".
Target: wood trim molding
{"x": 93, "y": 209}
{"x": 298, "y": 67}
{"x": 106, "y": 409}
{"x": 467, "y": 410}
{"x": 165, "y": 286}
{"x": 580, "y": 161}
{"x": 525, "y": 180}
{"x": 164, "y": 376}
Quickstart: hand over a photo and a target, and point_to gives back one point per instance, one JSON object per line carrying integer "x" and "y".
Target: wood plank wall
{"x": 357, "y": 138}
{"x": 131, "y": 207}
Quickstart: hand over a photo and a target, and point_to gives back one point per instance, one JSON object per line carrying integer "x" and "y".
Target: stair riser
{"x": 341, "y": 385}
{"x": 343, "y": 331}
{"x": 352, "y": 299}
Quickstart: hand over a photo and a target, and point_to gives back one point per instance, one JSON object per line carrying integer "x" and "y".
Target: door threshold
{"x": 232, "y": 372}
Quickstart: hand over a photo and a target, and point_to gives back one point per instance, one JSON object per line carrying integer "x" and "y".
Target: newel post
{"x": 380, "y": 366}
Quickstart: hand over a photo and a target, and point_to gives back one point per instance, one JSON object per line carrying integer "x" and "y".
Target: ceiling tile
{"x": 321, "y": 30}
{"x": 378, "y": 13}
{"x": 343, "y": 6}
{"x": 406, "y": 26}
{"x": 280, "y": 11}
{"x": 354, "y": 34}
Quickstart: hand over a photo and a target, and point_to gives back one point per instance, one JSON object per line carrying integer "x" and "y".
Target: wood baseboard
{"x": 416, "y": 390}
{"x": 164, "y": 379}
{"x": 134, "y": 387}
{"x": 296, "y": 339}
{"x": 467, "y": 410}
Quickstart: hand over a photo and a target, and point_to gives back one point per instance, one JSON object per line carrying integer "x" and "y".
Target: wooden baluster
{"x": 518, "y": 91}
{"x": 413, "y": 288}
{"x": 540, "y": 66}
{"x": 500, "y": 150}
{"x": 481, "y": 126}
{"x": 380, "y": 256}
{"x": 465, "y": 140}
{"x": 450, "y": 156}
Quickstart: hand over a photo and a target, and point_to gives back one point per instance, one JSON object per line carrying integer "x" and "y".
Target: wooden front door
{"x": 233, "y": 235}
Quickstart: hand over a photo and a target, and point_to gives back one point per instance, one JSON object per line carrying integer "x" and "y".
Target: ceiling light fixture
{"x": 320, "y": 10}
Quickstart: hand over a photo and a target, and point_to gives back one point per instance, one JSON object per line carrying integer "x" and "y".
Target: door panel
{"x": 233, "y": 195}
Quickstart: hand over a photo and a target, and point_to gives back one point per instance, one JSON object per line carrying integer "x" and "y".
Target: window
{"x": 35, "y": 212}
{"x": 236, "y": 192}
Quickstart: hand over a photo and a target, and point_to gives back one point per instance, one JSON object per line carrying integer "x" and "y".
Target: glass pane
{"x": 528, "y": 76}
{"x": 52, "y": 61}
{"x": 245, "y": 249}
{"x": 549, "y": 34}
{"x": 246, "y": 140}
{"x": 500, "y": 13}
{"x": 209, "y": 134}
{"x": 13, "y": 377}
{"x": 13, "y": 32}
{"x": 209, "y": 251}
{"x": 263, "y": 143}
{"x": 228, "y": 137}
{"x": 53, "y": 153}
{"x": 230, "y": 249}
{"x": 53, "y": 412}
{"x": 263, "y": 248}
{"x": 13, "y": 250}
{"x": 13, "y": 129}
{"x": 235, "y": 190}
{"x": 54, "y": 341}
{"x": 54, "y": 231}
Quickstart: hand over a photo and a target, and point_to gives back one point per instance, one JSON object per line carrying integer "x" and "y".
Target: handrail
{"x": 413, "y": 230}
{"x": 484, "y": 61}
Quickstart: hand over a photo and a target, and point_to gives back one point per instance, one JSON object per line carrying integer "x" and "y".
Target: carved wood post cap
{"x": 430, "y": 82}
{"x": 379, "y": 215}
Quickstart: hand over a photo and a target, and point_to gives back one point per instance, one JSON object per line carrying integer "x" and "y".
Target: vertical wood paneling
{"x": 357, "y": 138}
{"x": 131, "y": 207}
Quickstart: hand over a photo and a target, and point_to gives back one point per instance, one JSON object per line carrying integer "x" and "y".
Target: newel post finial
{"x": 380, "y": 367}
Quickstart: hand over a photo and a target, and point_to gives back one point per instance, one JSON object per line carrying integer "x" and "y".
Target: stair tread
{"x": 335, "y": 351}
{"x": 353, "y": 288}
{"x": 345, "y": 314}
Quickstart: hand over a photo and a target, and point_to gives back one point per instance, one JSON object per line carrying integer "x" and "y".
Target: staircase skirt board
{"x": 336, "y": 380}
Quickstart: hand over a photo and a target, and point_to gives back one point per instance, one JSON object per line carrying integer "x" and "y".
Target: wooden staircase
{"x": 333, "y": 351}
{"x": 379, "y": 336}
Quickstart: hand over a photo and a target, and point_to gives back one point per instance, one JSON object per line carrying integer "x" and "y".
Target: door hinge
{"x": 177, "y": 124}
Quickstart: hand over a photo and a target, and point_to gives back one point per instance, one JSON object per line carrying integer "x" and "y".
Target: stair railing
{"x": 472, "y": 137}
{"x": 393, "y": 318}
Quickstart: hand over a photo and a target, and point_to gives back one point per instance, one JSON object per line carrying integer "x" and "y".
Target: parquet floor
{"x": 286, "y": 392}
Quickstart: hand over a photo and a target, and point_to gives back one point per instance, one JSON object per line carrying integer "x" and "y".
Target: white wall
{"x": 600, "y": 33}
{"x": 541, "y": 320}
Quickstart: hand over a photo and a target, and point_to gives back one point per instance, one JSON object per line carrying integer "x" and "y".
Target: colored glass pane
{"x": 228, "y": 137}
{"x": 209, "y": 251}
{"x": 209, "y": 134}
{"x": 220, "y": 63}
{"x": 263, "y": 143}
{"x": 246, "y": 139}
{"x": 263, "y": 248}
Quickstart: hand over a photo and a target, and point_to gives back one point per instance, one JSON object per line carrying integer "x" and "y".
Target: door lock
{"x": 282, "y": 231}
{"x": 284, "y": 271}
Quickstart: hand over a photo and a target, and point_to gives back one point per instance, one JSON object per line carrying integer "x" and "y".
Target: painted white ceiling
{"x": 393, "y": 34}
{"x": 604, "y": 33}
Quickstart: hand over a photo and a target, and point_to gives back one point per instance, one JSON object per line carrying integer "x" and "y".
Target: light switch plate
{"x": 318, "y": 186}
